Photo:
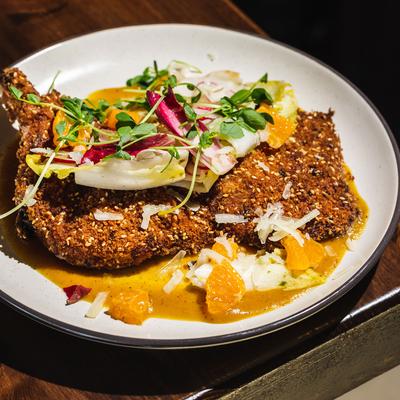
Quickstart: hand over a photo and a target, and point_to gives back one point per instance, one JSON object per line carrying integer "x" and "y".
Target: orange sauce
{"x": 185, "y": 302}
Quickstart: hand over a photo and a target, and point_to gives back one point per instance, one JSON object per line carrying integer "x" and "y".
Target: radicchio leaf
{"x": 170, "y": 112}
{"x": 97, "y": 153}
{"x": 75, "y": 293}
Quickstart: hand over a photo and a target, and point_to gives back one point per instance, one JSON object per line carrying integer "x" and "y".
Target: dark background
{"x": 360, "y": 39}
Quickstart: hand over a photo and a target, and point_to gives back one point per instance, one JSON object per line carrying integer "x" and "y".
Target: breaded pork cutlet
{"x": 309, "y": 165}
{"x": 63, "y": 219}
{"x": 62, "y": 216}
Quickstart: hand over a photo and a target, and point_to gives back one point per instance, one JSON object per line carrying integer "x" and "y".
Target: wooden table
{"x": 347, "y": 343}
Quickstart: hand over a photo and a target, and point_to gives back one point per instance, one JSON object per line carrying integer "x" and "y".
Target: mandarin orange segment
{"x": 221, "y": 249}
{"x": 83, "y": 134}
{"x": 224, "y": 288}
{"x": 302, "y": 257}
{"x": 111, "y": 120}
{"x": 315, "y": 252}
{"x": 280, "y": 130}
{"x": 131, "y": 306}
{"x": 60, "y": 117}
{"x": 296, "y": 257}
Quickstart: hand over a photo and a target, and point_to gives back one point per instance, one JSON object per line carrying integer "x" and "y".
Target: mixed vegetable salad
{"x": 175, "y": 126}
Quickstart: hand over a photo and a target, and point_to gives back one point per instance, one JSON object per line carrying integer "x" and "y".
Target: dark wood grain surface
{"x": 39, "y": 363}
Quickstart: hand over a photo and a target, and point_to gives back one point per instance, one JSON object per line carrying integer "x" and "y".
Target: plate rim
{"x": 159, "y": 344}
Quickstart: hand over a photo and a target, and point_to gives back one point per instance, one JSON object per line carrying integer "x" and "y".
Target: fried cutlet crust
{"x": 63, "y": 219}
{"x": 312, "y": 162}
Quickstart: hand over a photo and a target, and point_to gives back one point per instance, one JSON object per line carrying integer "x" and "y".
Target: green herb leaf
{"x": 171, "y": 82}
{"x": 241, "y": 96}
{"x": 253, "y": 118}
{"x": 121, "y": 154}
{"x": 268, "y": 117}
{"x": 189, "y": 112}
{"x": 15, "y": 92}
{"x": 231, "y": 130}
{"x": 245, "y": 126}
{"x": 99, "y": 111}
{"x": 196, "y": 98}
{"x": 147, "y": 77}
{"x": 144, "y": 129}
{"x": 125, "y": 134}
{"x": 124, "y": 120}
{"x": 260, "y": 95}
{"x": 264, "y": 78}
{"x": 74, "y": 106}
{"x": 102, "y": 105}
{"x": 180, "y": 98}
{"x": 60, "y": 127}
{"x": 192, "y": 133}
{"x": 206, "y": 139}
{"x": 173, "y": 151}
{"x": 228, "y": 106}
{"x": 33, "y": 98}
{"x": 134, "y": 81}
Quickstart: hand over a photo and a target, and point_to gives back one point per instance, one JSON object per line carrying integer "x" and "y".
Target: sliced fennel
{"x": 150, "y": 168}
{"x": 61, "y": 170}
{"x": 204, "y": 181}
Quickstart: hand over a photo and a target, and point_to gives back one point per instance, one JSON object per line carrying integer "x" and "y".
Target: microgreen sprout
{"x": 51, "y": 87}
{"x": 29, "y": 196}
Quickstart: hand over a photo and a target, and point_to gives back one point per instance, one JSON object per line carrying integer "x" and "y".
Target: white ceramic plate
{"x": 108, "y": 58}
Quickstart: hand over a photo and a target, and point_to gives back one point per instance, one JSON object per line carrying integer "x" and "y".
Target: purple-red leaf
{"x": 75, "y": 293}
{"x": 170, "y": 112}
{"x": 97, "y": 153}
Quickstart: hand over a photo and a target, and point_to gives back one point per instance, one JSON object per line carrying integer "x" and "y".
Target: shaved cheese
{"x": 172, "y": 264}
{"x": 226, "y": 243}
{"x": 206, "y": 255}
{"x": 29, "y": 201}
{"x": 262, "y": 166}
{"x": 107, "y": 216}
{"x": 175, "y": 280}
{"x": 97, "y": 306}
{"x": 330, "y": 251}
{"x": 41, "y": 150}
{"x": 307, "y": 218}
{"x": 298, "y": 223}
{"x": 273, "y": 221}
{"x": 286, "y": 190}
{"x": 152, "y": 209}
{"x": 198, "y": 275}
{"x": 230, "y": 219}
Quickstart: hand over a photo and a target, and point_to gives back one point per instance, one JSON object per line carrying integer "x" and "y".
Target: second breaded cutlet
{"x": 309, "y": 165}
{"x": 63, "y": 219}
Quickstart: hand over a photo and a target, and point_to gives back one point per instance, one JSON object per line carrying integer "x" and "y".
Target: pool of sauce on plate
{"x": 184, "y": 303}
